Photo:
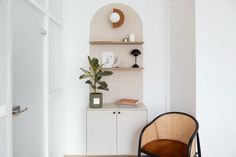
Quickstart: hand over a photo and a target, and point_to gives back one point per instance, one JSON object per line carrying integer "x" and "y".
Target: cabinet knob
{"x": 114, "y": 112}
{"x": 118, "y": 112}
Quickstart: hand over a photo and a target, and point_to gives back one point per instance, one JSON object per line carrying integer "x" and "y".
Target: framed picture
{"x": 107, "y": 59}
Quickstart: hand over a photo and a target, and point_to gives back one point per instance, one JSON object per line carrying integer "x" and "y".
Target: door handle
{"x": 16, "y": 110}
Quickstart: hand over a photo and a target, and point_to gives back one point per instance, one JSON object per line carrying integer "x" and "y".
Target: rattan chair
{"x": 172, "y": 134}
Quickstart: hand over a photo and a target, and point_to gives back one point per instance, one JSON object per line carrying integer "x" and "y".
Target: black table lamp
{"x": 135, "y": 53}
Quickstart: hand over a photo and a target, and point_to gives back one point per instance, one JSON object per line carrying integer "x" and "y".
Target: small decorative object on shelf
{"x": 116, "y": 63}
{"x": 131, "y": 37}
{"x": 135, "y": 53}
{"x": 129, "y": 103}
{"x": 125, "y": 40}
{"x": 107, "y": 59}
{"x": 95, "y": 74}
{"x": 117, "y": 18}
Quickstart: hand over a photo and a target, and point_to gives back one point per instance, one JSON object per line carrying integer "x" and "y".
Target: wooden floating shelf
{"x": 115, "y": 43}
{"x": 123, "y": 69}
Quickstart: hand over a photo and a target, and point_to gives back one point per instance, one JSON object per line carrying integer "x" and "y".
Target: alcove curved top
{"x": 101, "y": 28}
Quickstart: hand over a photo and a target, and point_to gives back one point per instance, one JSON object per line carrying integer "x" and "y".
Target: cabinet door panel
{"x": 129, "y": 126}
{"x": 101, "y": 132}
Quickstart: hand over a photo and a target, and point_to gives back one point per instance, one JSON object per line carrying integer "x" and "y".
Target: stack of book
{"x": 128, "y": 103}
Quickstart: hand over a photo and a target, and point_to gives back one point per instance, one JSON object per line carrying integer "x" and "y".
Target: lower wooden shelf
{"x": 123, "y": 69}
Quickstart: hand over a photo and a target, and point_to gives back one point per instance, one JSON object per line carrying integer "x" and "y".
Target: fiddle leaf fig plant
{"x": 95, "y": 74}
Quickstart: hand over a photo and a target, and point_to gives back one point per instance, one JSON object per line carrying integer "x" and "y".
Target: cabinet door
{"x": 101, "y": 132}
{"x": 129, "y": 126}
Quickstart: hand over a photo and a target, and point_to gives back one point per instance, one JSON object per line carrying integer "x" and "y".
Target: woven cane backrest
{"x": 173, "y": 126}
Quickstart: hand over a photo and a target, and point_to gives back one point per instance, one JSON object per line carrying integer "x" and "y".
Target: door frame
{"x": 9, "y": 79}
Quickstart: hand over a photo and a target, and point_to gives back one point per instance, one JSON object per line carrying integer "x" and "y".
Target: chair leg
{"x": 198, "y": 146}
{"x": 139, "y": 152}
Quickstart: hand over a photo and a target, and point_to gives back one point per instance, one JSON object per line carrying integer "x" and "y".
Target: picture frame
{"x": 107, "y": 59}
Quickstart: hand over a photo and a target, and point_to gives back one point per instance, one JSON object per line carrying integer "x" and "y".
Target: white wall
{"x": 216, "y": 78}
{"x": 182, "y": 56}
{"x": 77, "y": 16}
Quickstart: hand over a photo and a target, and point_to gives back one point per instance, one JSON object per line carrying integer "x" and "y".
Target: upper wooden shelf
{"x": 115, "y": 43}
{"x": 123, "y": 69}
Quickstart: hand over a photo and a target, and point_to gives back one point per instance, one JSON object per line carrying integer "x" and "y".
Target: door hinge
{"x": 43, "y": 31}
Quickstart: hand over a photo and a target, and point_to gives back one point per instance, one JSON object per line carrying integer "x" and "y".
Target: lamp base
{"x": 135, "y": 66}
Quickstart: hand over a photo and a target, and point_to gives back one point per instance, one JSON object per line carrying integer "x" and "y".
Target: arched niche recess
{"x": 101, "y": 28}
{"x": 124, "y": 83}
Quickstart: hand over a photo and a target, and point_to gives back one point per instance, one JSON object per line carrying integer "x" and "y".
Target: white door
{"x": 101, "y": 132}
{"x": 129, "y": 126}
{"x": 29, "y": 128}
{"x": 5, "y": 114}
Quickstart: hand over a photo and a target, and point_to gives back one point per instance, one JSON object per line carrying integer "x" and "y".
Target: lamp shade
{"x": 135, "y": 52}
{"x": 114, "y": 17}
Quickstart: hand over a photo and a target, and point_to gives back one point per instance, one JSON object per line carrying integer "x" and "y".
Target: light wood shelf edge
{"x": 123, "y": 69}
{"x": 115, "y": 43}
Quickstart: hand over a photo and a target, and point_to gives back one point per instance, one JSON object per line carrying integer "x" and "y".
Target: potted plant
{"x": 94, "y": 76}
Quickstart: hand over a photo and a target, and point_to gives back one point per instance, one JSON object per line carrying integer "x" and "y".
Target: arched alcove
{"x": 127, "y": 82}
{"x": 101, "y": 28}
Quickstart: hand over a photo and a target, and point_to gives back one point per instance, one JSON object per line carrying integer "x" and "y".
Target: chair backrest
{"x": 176, "y": 126}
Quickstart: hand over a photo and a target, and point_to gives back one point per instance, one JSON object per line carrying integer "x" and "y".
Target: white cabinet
{"x": 101, "y": 131}
{"x": 114, "y": 131}
{"x": 129, "y": 127}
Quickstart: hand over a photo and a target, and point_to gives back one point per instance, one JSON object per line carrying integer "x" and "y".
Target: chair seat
{"x": 165, "y": 148}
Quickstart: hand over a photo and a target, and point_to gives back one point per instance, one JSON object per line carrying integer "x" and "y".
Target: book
{"x": 127, "y": 106}
{"x": 131, "y": 102}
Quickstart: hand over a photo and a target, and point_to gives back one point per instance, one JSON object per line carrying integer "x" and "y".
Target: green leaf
{"x": 94, "y": 62}
{"x": 89, "y": 82}
{"x": 90, "y": 61}
{"x": 98, "y": 78}
{"x": 84, "y": 76}
{"x": 85, "y": 71}
{"x": 106, "y": 73}
{"x": 98, "y": 68}
{"x": 102, "y": 88}
{"x": 103, "y": 84}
